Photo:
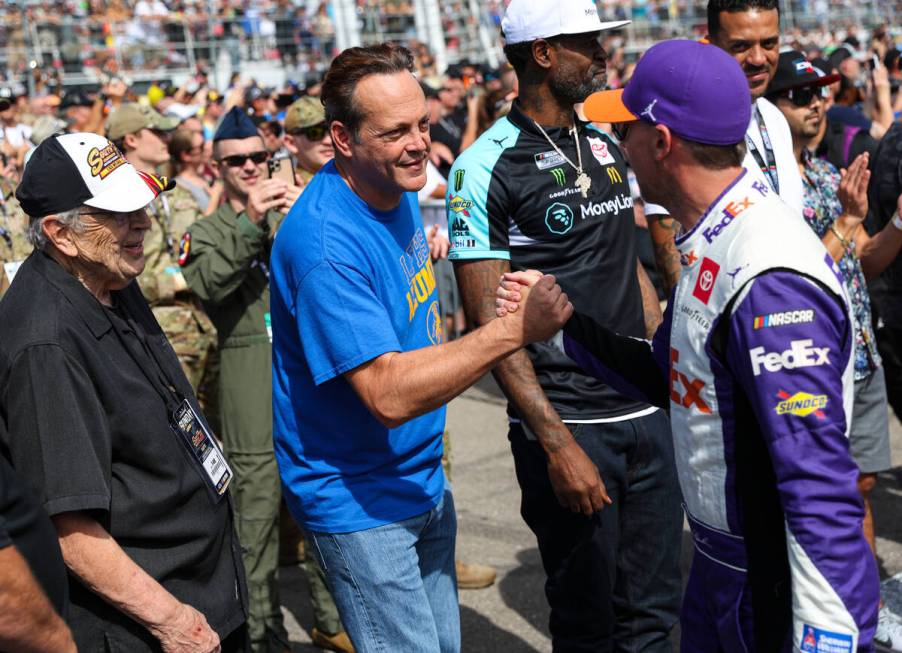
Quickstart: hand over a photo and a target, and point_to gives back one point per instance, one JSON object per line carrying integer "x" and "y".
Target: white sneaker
{"x": 888, "y": 637}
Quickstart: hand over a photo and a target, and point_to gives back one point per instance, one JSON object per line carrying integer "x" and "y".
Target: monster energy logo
{"x": 559, "y": 176}
{"x": 459, "y": 180}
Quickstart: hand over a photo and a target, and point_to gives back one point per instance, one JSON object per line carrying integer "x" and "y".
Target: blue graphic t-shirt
{"x": 349, "y": 284}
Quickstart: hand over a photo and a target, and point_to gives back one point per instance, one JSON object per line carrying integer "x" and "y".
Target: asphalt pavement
{"x": 512, "y": 615}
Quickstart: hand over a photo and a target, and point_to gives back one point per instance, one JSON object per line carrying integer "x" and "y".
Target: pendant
{"x": 584, "y": 183}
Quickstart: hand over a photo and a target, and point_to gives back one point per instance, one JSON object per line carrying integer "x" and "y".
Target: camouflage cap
{"x": 306, "y": 112}
{"x": 132, "y": 118}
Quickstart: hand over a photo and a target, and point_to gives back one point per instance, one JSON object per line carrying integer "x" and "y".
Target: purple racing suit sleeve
{"x": 636, "y": 368}
{"x": 789, "y": 344}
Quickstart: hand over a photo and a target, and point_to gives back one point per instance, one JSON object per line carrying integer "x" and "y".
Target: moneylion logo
{"x": 614, "y": 175}
{"x": 459, "y": 180}
{"x": 559, "y": 176}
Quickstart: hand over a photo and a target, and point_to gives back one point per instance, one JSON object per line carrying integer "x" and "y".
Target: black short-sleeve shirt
{"x": 512, "y": 195}
{"x": 89, "y": 431}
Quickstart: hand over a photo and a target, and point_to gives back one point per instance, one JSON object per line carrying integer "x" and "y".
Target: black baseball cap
{"x": 68, "y": 170}
{"x": 76, "y": 99}
{"x": 795, "y": 71}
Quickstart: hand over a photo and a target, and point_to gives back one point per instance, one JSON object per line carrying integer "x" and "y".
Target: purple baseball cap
{"x": 696, "y": 90}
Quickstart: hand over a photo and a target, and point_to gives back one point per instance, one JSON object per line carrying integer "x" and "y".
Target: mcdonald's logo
{"x": 459, "y": 180}
{"x": 614, "y": 175}
{"x": 559, "y": 176}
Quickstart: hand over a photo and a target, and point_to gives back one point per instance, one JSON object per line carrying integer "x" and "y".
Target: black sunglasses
{"x": 621, "y": 129}
{"x": 313, "y": 132}
{"x": 801, "y": 97}
{"x": 238, "y": 160}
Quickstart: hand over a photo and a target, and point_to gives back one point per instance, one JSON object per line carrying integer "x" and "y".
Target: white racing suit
{"x": 754, "y": 363}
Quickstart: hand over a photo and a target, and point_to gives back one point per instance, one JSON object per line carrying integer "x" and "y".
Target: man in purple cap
{"x": 754, "y": 362}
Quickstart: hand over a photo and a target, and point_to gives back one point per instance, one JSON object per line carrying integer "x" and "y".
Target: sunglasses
{"x": 801, "y": 97}
{"x": 238, "y": 160}
{"x": 621, "y": 129}
{"x": 313, "y": 132}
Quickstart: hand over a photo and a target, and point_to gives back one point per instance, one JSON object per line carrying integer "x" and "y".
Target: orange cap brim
{"x": 607, "y": 106}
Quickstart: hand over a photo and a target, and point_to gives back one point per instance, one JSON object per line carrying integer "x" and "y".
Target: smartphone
{"x": 282, "y": 169}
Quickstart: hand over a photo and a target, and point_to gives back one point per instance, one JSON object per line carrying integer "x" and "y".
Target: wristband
{"x": 897, "y": 222}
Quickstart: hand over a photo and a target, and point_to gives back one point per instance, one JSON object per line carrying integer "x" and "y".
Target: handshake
{"x": 533, "y": 303}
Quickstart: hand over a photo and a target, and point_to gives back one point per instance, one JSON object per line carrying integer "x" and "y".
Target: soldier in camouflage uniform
{"x": 307, "y": 138}
{"x": 225, "y": 259}
{"x": 14, "y": 247}
{"x": 142, "y": 135}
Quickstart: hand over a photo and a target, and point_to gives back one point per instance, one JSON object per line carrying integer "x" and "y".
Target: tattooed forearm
{"x": 663, "y": 230}
{"x": 478, "y": 281}
{"x": 650, "y": 306}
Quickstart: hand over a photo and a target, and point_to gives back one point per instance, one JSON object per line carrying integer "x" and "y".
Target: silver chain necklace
{"x": 583, "y": 181}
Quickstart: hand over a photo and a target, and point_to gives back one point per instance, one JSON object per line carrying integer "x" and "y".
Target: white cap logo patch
{"x": 104, "y": 161}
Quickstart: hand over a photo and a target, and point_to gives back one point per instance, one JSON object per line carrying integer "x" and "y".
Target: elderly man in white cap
{"x": 543, "y": 189}
{"x": 104, "y": 424}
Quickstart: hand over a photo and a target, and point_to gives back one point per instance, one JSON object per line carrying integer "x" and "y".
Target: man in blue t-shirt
{"x": 360, "y": 371}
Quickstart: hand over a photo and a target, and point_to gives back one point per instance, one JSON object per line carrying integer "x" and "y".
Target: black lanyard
{"x": 158, "y": 378}
{"x": 768, "y": 164}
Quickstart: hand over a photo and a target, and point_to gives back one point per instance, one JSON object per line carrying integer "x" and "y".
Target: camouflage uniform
{"x": 14, "y": 247}
{"x": 225, "y": 259}
{"x": 189, "y": 330}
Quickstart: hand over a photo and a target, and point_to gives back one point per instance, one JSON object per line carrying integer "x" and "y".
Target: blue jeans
{"x": 613, "y": 579}
{"x": 395, "y": 585}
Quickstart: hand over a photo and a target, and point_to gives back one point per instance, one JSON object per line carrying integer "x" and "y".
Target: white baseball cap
{"x": 68, "y": 170}
{"x": 528, "y": 20}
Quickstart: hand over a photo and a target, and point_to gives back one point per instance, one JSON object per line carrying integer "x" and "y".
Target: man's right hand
{"x": 575, "y": 479}
{"x": 187, "y": 631}
{"x": 545, "y": 308}
{"x": 268, "y": 194}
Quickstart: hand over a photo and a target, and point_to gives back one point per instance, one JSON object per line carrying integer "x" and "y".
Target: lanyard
{"x": 156, "y": 377}
{"x": 768, "y": 164}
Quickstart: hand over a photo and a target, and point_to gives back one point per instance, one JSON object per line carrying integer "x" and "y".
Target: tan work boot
{"x": 338, "y": 642}
{"x": 473, "y": 576}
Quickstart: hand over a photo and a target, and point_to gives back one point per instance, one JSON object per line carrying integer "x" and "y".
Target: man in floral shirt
{"x": 834, "y": 205}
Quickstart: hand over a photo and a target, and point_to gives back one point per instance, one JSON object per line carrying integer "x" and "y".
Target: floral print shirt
{"x": 821, "y": 208}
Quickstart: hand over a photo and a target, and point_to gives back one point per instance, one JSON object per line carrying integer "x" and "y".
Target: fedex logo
{"x": 800, "y": 354}
{"x": 690, "y": 395}
{"x": 731, "y": 211}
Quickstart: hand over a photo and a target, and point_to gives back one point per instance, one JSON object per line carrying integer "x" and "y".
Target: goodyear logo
{"x": 458, "y": 204}
{"x": 459, "y": 180}
{"x": 614, "y": 175}
{"x": 801, "y": 404}
{"x": 104, "y": 162}
{"x": 559, "y": 176}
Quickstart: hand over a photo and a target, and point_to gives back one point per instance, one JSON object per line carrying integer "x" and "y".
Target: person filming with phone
{"x": 225, "y": 260}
